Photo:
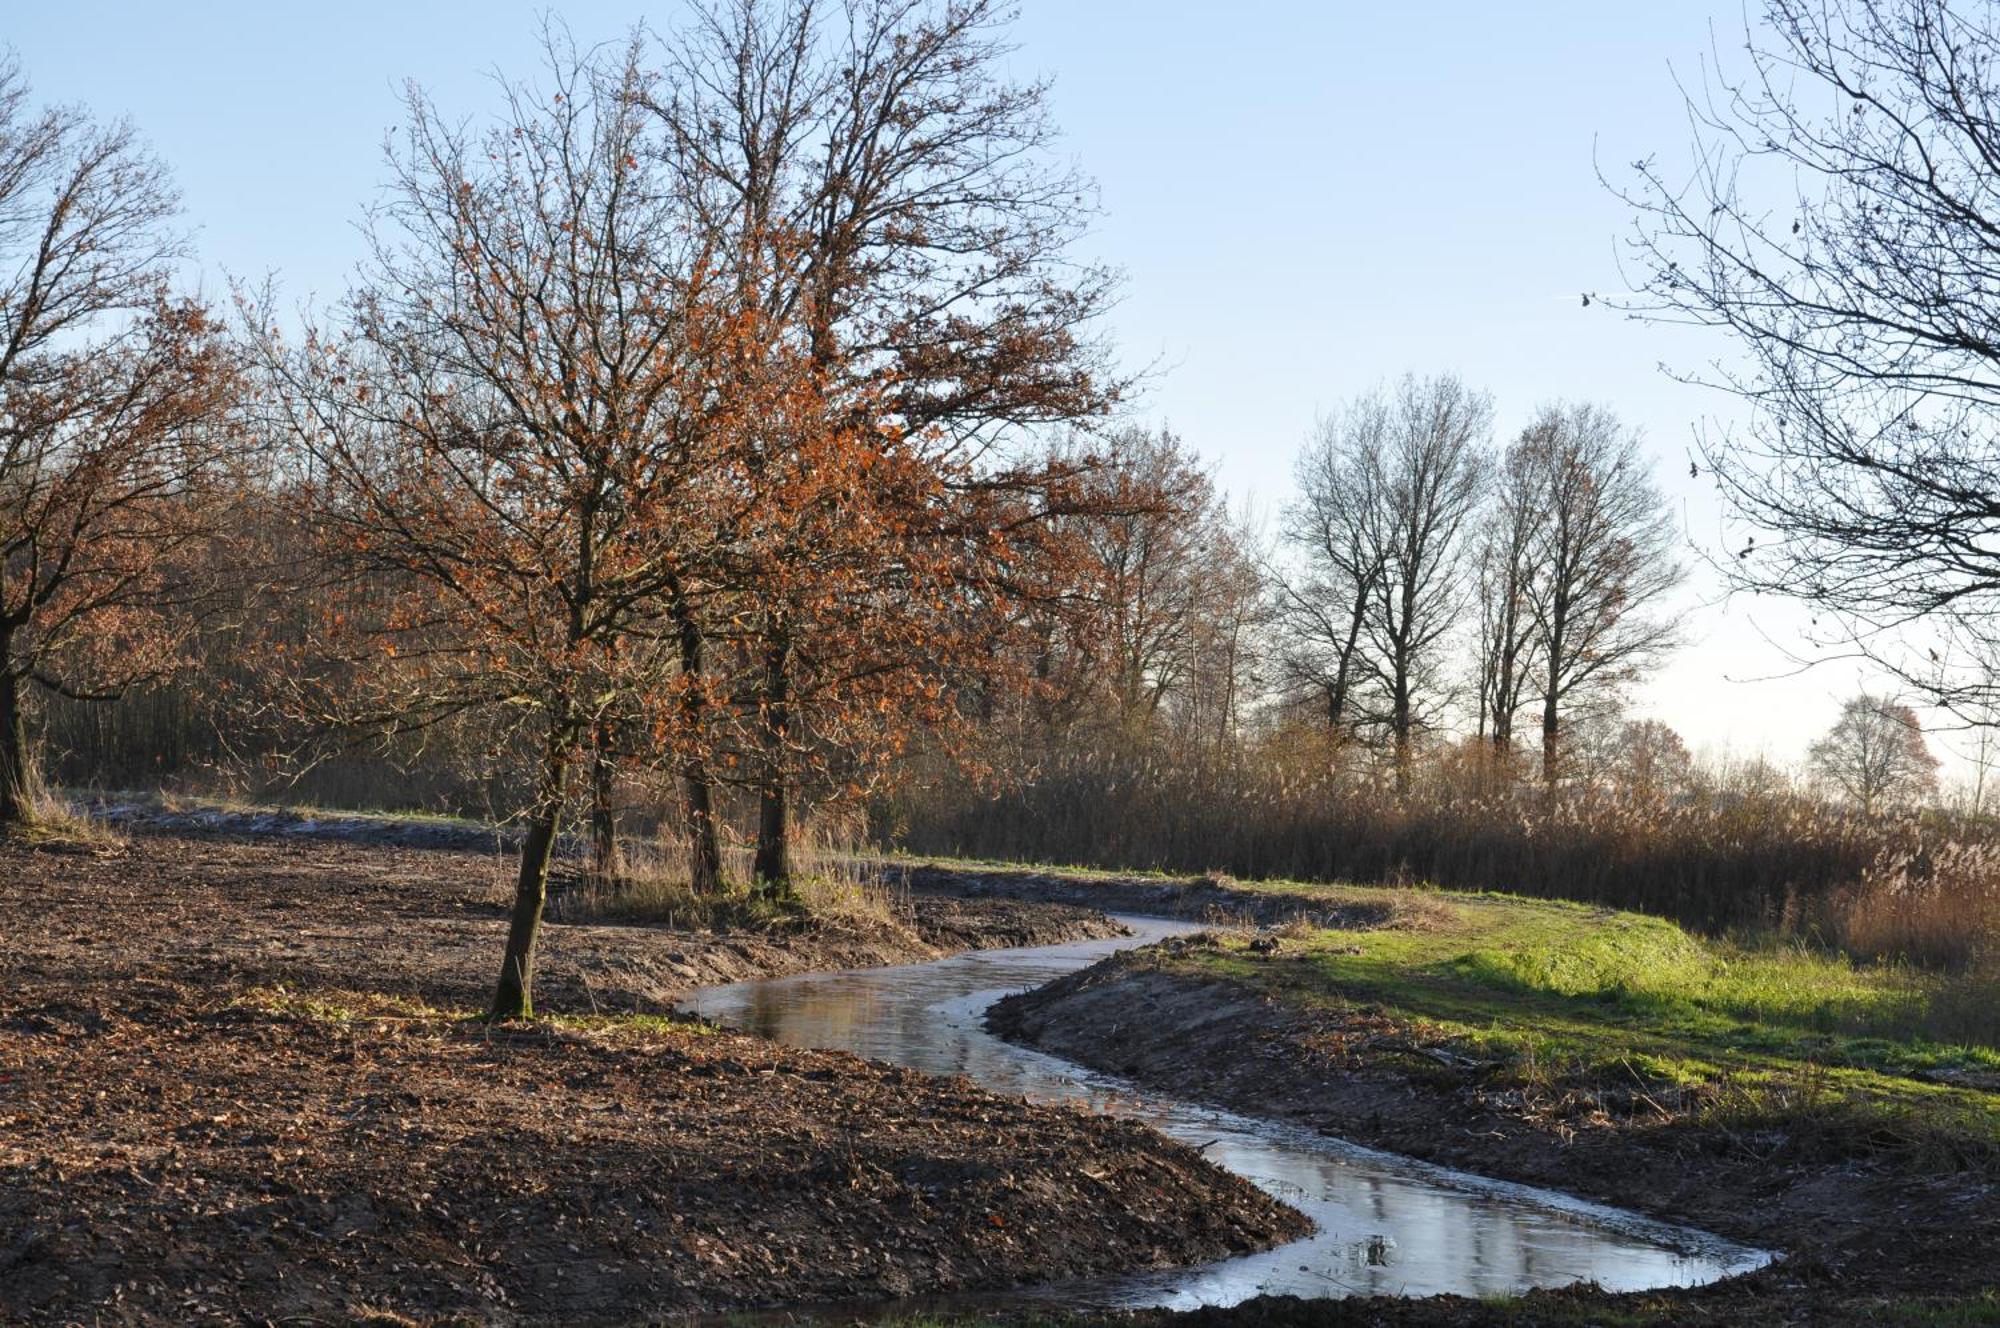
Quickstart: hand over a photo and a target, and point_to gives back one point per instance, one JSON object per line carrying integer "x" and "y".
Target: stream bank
{"x": 1383, "y": 1224}
{"x": 1869, "y": 1237}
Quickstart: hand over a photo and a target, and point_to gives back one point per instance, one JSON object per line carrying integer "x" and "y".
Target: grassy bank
{"x": 1475, "y": 964}
{"x": 1584, "y": 1007}
{"x": 1846, "y": 1114}
{"x": 1590, "y": 1010}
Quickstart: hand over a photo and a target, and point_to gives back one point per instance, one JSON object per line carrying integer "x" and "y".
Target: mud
{"x": 421, "y": 923}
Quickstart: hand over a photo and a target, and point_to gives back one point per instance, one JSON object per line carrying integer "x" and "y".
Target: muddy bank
{"x": 1858, "y": 1232}
{"x": 225, "y": 1095}
{"x": 1211, "y": 899}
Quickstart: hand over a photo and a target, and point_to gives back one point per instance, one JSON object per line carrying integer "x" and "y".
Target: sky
{"x": 1306, "y": 198}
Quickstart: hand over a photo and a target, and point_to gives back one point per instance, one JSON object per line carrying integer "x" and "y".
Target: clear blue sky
{"x": 1307, "y": 197}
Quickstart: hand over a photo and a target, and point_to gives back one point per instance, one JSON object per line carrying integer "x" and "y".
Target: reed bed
{"x": 1916, "y": 886}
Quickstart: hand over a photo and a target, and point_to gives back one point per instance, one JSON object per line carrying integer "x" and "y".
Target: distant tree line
{"x": 1423, "y": 584}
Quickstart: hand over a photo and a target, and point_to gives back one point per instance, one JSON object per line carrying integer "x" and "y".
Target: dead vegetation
{"x": 648, "y": 884}
{"x": 1917, "y": 886}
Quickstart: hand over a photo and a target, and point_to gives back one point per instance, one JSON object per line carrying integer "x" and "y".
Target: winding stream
{"x": 1387, "y": 1225}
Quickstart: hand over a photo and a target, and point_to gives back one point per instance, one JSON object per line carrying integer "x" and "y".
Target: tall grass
{"x": 1921, "y": 887}
{"x": 1937, "y": 901}
{"x": 649, "y": 884}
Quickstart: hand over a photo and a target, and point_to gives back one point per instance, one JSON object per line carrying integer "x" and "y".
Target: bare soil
{"x": 1209, "y": 899}
{"x": 233, "y": 1089}
{"x": 1867, "y": 1239}
{"x": 420, "y": 922}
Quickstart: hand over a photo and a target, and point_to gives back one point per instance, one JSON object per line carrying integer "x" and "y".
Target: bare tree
{"x": 1331, "y": 528}
{"x": 112, "y": 441}
{"x": 1875, "y": 755}
{"x": 1603, "y": 563}
{"x": 1387, "y": 493}
{"x": 1842, "y": 223}
{"x": 1593, "y": 741}
{"x": 1507, "y": 543}
{"x": 1433, "y": 473}
{"x": 1980, "y": 749}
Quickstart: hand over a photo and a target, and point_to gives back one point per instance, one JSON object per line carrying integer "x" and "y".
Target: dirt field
{"x": 420, "y": 923}
{"x": 235, "y": 1086}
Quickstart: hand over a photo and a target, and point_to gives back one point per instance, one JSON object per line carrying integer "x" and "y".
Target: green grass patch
{"x": 1594, "y": 1005}
{"x": 1981, "y": 1311}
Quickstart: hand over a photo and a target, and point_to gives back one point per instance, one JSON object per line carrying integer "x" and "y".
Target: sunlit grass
{"x": 1581, "y": 1004}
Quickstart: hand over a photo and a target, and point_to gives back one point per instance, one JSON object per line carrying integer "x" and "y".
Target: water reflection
{"x": 1386, "y": 1225}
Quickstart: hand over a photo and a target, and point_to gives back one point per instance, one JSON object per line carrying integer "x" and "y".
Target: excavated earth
{"x": 236, "y": 1086}
{"x": 1866, "y": 1238}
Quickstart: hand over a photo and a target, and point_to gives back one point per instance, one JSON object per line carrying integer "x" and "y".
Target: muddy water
{"x": 1386, "y": 1225}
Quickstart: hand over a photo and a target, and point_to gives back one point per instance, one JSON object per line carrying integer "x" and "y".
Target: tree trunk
{"x": 698, "y": 792}
{"x": 15, "y": 772}
{"x": 1501, "y": 743}
{"x": 603, "y": 824}
{"x": 1504, "y": 699}
{"x": 772, "y": 869}
{"x": 1556, "y": 647}
{"x": 1400, "y": 723}
{"x": 1484, "y": 686}
{"x": 1551, "y": 741}
{"x": 513, "y": 997}
{"x": 704, "y": 848}
{"x": 1337, "y": 703}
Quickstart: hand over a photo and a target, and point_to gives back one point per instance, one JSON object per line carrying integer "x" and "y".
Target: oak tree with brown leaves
{"x": 513, "y": 446}
{"x": 113, "y": 441}
{"x": 890, "y": 197}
